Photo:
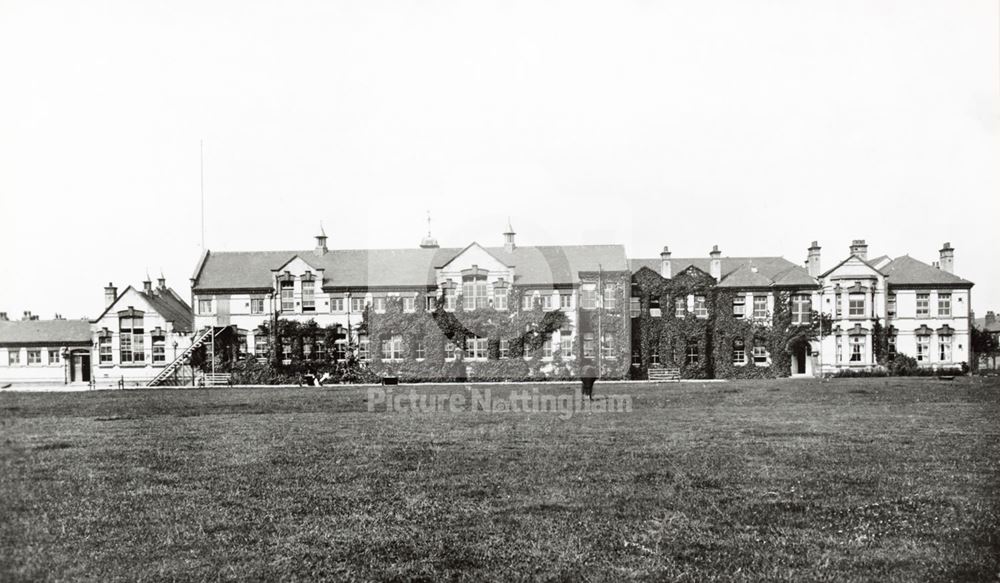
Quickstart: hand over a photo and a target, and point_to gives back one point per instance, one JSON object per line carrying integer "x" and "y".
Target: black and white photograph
{"x": 478, "y": 290}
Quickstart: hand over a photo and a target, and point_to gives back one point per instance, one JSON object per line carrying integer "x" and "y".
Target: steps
{"x": 200, "y": 339}
{"x": 662, "y": 373}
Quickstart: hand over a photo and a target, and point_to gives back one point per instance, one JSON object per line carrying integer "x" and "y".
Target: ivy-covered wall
{"x": 713, "y": 335}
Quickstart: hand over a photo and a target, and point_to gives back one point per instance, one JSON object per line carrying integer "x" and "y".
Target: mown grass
{"x": 853, "y": 479}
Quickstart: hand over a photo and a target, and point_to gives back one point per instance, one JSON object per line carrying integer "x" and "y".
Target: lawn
{"x": 853, "y": 479}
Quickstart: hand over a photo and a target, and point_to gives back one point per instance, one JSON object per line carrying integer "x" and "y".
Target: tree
{"x": 984, "y": 343}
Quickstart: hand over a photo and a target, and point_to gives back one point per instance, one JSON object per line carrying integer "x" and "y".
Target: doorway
{"x": 80, "y": 369}
{"x": 800, "y": 353}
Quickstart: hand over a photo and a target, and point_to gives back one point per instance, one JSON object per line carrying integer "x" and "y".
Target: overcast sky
{"x": 757, "y": 126}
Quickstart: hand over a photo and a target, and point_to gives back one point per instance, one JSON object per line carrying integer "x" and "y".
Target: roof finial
{"x": 428, "y": 222}
{"x": 429, "y": 241}
{"x": 322, "y": 232}
{"x": 510, "y": 229}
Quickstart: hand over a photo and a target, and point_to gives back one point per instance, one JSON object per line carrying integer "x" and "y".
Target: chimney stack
{"x": 320, "y": 249}
{"x": 665, "y": 269}
{"x": 991, "y": 318}
{"x": 508, "y": 238}
{"x": 147, "y": 286}
{"x": 3, "y": 317}
{"x": 715, "y": 265}
{"x": 813, "y": 263}
{"x": 161, "y": 282}
{"x": 947, "y": 258}
{"x": 860, "y": 248}
{"x": 110, "y": 294}
{"x": 27, "y": 315}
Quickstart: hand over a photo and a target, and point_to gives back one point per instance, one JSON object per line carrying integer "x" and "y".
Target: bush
{"x": 903, "y": 366}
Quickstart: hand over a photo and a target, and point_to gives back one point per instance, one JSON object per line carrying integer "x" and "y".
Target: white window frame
{"x": 739, "y": 307}
{"x": 759, "y": 307}
{"x": 944, "y": 304}
{"x": 336, "y": 304}
{"x": 700, "y": 306}
{"x": 857, "y": 305}
{"x": 857, "y": 349}
{"x": 923, "y": 305}
{"x": 923, "y": 347}
{"x": 308, "y": 296}
{"x": 944, "y": 348}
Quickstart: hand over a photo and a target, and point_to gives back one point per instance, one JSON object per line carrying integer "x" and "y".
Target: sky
{"x": 755, "y": 126}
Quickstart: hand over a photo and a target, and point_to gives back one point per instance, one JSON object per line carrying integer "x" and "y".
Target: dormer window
{"x": 287, "y": 295}
{"x": 308, "y": 296}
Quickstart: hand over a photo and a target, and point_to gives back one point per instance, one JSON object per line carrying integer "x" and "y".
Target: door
{"x": 800, "y": 359}
{"x": 85, "y": 366}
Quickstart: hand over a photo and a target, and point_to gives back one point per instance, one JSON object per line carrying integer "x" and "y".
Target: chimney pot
{"x": 813, "y": 264}
{"x": 991, "y": 317}
{"x": 860, "y": 248}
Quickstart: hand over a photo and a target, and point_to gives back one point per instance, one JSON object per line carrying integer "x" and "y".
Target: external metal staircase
{"x": 202, "y": 337}
{"x": 662, "y": 373}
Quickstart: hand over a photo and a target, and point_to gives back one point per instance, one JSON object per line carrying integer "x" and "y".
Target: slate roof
{"x": 167, "y": 303}
{"x": 45, "y": 332}
{"x": 906, "y": 270}
{"x": 739, "y": 271}
{"x": 980, "y": 323}
{"x": 413, "y": 267}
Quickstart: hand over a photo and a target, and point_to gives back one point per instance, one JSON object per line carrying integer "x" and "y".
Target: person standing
{"x": 588, "y": 376}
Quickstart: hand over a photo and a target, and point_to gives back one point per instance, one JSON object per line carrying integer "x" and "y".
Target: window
{"x": 691, "y": 352}
{"x": 923, "y": 348}
{"x": 634, "y": 307}
{"x": 421, "y": 349}
{"x": 34, "y": 356}
{"x": 588, "y": 297}
{"x": 608, "y": 345}
{"x": 700, "y": 310}
{"x": 654, "y": 357}
{"x": 504, "y": 348}
{"x": 336, "y": 304}
{"x": 891, "y": 346}
{"x": 759, "y": 352}
{"x": 944, "y": 348}
{"x": 500, "y": 299}
{"x": 308, "y": 296}
{"x": 286, "y": 351}
{"x": 287, "y": 296}
{"x": 739, "y": 351}
{"x": 340, "y": 349}
{"x": 944, "y": 306}
{"x": 565, "y": 300}
{"x": 857, "y": 348}
{"x": 527, "y": 301}
{"x": 923, "y": 305}
{"x": 547, "y": 348}
{"x": 449, "y": 349}
{"x": 449, "y": 298}
{"x": 759, "y": 308}
{"x": 261, "y": 346}
{"x": 431, "y": 303}
{"x": 378, "y": 304}
{"x": 54, "y": 356}
{"x": 256, "y": 305}
{"x": 836, "y": 305}
{"x": 104, "y": 349}
{"x": 363, "y": 346}
{"x": 855, "y": 305}
{"x": 890, "y": 306}
{"x": 159, "y": 349}
{"x": 636, "y": 357}
{"x": 739, "y": 306}
{"x": 610, "y": 296}
{"x": 13, "y": 356}
{"x": 840, "y": 349}
{"x": 476, "y": 347}
{"x": 566, "y": 344}
{"x": 392, "y": 348}
{"x": 409, "y": 304}
{"x": 588, "y": 345}
{"x": 130, "y": 339}
{"x": 546, "y": 300}
{"x": 358, "y": 304}
{"x": 801, "y": 309}
{"x": 204, "y": 306}
{"x": 680, "y": 307}
{"x": 474, "y": 292}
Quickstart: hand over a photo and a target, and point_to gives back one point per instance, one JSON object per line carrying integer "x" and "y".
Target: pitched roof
{"x": 167, "y": 304}
{"x": 993, "y": 326}
{"x": 63, "y": 332}
{"x": 412, "y": 267}
{"x": 173, "y": 309}
{"x": 906, "y": 270}
{"x": 739, "y": 271}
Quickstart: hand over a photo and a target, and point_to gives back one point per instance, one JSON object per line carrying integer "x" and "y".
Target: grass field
{"x": 856, "y": 479}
